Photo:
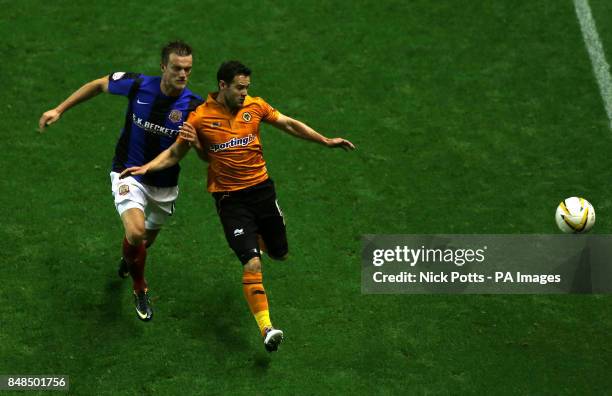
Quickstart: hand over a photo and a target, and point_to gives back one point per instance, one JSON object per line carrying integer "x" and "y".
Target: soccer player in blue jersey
{"x": 157, "y": 107}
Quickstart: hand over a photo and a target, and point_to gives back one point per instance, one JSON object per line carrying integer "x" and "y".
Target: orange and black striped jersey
{"x": 232, "y": 142}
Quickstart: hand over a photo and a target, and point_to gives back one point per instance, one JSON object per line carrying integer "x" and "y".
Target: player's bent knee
{"x": 279, "y": 258}
{"x": 279, "y": 254}
{"x": 135, "y": 234}
{"x": 247, "y": 255}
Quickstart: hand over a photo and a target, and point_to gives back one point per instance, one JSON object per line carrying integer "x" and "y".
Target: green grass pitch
{"x": 469, "y": 117}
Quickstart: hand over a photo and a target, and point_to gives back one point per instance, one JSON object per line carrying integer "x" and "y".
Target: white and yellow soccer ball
{"x": 575, "y": 215}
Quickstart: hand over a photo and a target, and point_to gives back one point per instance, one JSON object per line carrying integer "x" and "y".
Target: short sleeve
{"x": 269, "y": 113}
{"x": 120, "y": 83}
{"x": 194, "y": 119}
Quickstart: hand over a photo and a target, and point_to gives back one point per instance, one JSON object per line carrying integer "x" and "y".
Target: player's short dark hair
{"x": 230, "y": 69}
{"x": 177, "y": 47}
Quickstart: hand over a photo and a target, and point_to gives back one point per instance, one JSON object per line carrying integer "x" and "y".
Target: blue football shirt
{"x": 151, "y": 125}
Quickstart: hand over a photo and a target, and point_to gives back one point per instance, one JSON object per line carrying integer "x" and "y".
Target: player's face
{"x": 236, "y": 92}
{"x": 176, "y": 73}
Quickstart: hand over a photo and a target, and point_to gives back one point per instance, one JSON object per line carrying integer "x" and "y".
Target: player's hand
{"x": 342, "y": 143}
{"x": 133, "y": 171}
{"x": 48, "y": 118}
{"x": 188, "y": 133}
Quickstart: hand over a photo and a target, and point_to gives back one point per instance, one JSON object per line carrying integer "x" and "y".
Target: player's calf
{"x": 124, "y": 270}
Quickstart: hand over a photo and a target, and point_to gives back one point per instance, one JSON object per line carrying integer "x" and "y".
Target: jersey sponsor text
{"x": 154, "y": 128}
{"x": 233, "y": 142}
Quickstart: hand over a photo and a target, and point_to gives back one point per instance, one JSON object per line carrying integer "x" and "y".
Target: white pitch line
{"x": 596, "y": 53}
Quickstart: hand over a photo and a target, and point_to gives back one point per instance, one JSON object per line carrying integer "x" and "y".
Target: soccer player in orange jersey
{"x": 225, "y": 132}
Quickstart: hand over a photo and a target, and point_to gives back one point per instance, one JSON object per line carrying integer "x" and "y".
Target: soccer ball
{"x": 575, "y": 215}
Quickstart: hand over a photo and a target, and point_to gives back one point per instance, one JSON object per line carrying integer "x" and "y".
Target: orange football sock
{"x": 256, "y": 297}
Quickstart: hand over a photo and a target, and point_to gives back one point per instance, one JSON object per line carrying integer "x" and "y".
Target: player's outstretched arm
{"x": 301, "y": 130}
{"x": 82, "y": 94}
{"x": 167, "y": 158}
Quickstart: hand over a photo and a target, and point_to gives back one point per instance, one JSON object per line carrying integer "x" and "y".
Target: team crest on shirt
{"x": 124, "y": 189}
{"x": 175, "y": 116}
{"x": 246, "y": 116}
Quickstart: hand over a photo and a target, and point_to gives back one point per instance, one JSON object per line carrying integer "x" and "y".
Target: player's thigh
{"x": 157, "y": 214}
{"x": 133, "y": 220}
{"x": 130, "y": 202}
{"x": 271, "y": 225}
{"x": 160, "y": 206}
{"x": 155, "y": 218}
{"x": 239, "y": 226}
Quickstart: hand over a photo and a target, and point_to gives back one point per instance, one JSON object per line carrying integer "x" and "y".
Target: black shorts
{"x": 246, "y": 213}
